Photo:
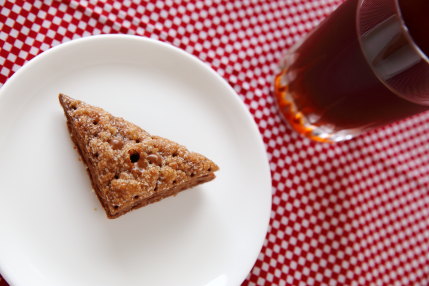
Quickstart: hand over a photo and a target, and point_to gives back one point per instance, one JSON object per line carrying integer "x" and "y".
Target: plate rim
{"x": 38, "y": 59}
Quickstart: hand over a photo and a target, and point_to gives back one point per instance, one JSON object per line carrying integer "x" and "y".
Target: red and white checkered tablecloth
{"x": 353, "y": 213}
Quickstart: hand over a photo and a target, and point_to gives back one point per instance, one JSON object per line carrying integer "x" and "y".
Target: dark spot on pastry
{"x": 116, "y": 207}
{"x": 95, "y": 122}
{"x": 136, "y": 197}
{"x": 134, "y": 157}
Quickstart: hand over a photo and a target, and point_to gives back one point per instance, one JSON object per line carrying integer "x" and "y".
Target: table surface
{"x": 353, "y": 213}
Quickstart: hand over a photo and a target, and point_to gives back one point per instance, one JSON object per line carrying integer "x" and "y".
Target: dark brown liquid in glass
{"x": 335, "y": 83}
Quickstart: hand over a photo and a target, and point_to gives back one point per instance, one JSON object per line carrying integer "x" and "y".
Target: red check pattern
{"x": 354, "y": 213}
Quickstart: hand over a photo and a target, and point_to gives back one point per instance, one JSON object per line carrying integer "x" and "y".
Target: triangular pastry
{"x": 130, "y": 168}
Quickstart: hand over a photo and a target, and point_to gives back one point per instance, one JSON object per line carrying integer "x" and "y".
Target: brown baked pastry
{"x": 130, "y": 168}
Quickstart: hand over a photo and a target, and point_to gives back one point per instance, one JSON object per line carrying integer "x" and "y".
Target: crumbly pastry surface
{"x": 130, "y": 168}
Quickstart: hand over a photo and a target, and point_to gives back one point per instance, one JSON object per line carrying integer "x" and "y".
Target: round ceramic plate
{"x": 53, "y": 230}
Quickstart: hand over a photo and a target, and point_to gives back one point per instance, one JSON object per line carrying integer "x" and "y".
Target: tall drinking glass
{"x": 364, "y": 66}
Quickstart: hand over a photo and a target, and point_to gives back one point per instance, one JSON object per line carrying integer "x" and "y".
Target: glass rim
{"x": 404, "y": 28}
{"x": 386, "y": 15}
{"x": 407, "y": 33}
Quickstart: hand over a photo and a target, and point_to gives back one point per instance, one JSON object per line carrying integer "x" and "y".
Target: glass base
{"x": 302, "y": 123}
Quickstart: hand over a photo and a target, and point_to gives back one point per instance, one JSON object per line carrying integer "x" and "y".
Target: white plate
{"x": 53, "y": 230}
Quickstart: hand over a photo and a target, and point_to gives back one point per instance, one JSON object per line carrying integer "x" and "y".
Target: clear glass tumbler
{"x": 364, "y": 66}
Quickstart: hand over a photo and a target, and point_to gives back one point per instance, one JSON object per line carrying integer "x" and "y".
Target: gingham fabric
{"x": 353, "y": 213}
